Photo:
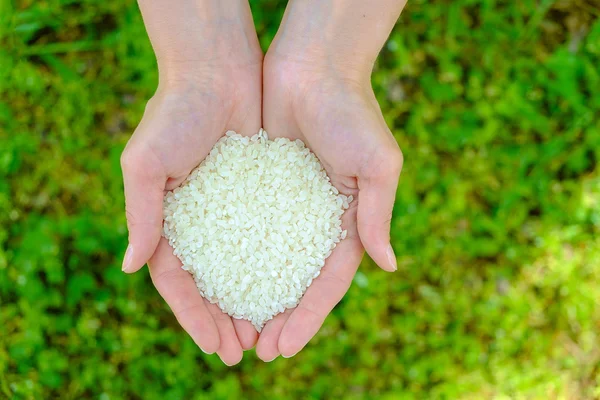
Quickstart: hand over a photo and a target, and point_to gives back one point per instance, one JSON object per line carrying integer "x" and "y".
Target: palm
{"x": 340, "y": 122}
{"x": 177, "y": 131}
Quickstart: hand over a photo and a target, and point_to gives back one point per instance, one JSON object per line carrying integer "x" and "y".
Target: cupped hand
{"x": 336, "y": 114}
{"x": 183, "y": 120}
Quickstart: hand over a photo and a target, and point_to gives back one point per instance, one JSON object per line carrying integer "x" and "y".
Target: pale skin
{"x": 314, "y": 84}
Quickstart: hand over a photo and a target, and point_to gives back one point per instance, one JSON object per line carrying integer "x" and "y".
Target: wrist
{"x": 318, "y": 61}
{"x": 198, "y": 35}
{"x": 343, "y": 36}
{"x": 219, "y": 51}
{"x": 202, "y": 67}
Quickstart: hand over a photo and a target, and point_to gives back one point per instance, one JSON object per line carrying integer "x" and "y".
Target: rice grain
{"x": 254, "y": 223}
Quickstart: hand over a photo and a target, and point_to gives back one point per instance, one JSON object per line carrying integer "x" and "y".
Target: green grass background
{"x": 496, "y": 105}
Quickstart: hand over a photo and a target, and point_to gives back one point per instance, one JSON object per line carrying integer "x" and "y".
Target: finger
{"x": 246, "y": 333}
{"x": 180, "y": 292}
{"x": 267, "y": 347}
{"x": 323, "y": 295}
{"x": 230, "y": 351}
{"x": 144, "y": 184}
{"x": 377, "y": 183}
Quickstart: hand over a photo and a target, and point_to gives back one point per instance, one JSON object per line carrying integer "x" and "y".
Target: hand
{"x": 189, "y": 112}
{"x": 337, "y": 116}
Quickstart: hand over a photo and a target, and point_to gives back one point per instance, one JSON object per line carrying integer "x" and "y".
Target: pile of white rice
{"x": 254, "y": 224}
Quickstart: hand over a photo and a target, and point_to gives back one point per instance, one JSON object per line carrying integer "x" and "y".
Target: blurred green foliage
{"x": 496, "y": 105}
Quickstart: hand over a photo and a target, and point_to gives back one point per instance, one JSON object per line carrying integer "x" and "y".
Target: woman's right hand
{"x": 190, "y": 111}
{"x": 210, "y": 64}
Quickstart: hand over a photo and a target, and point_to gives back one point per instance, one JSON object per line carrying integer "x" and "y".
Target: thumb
{"x": 377, "y": 183}
{"x": 144, "y": 182}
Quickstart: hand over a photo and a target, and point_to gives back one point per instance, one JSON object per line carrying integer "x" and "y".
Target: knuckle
{"x": 384, "y": 162}
{"x": 129, "y": 158}
{"x": 395, "y": 160}
{"x": 141, "y": 161}
{"x": 135, "y": 219}
{"x": 130, "y": 216}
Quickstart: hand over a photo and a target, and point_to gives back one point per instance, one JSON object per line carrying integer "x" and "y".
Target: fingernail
{"x": 127, "y": 259}
{"x": 271, "y": 358}
{"x": 392, "y": 257}
{"x": 206, "y": 352}
{"x": 289, "y": 356}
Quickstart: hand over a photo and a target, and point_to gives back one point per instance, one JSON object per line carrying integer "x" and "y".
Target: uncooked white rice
{"x": 254, "y": 224}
